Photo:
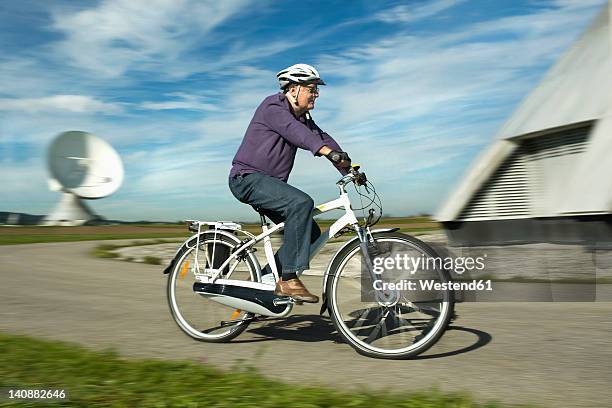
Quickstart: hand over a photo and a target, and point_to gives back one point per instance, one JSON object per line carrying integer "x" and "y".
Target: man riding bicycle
{"x": 260, "y": 170}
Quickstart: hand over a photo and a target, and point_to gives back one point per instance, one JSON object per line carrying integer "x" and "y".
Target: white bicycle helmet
{"x": 299, "y": 74}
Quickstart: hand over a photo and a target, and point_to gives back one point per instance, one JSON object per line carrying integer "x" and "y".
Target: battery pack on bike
{"x": 252, "y": 297}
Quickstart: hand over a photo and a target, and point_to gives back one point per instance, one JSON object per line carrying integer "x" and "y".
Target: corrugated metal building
{"x": 548, "y": 175}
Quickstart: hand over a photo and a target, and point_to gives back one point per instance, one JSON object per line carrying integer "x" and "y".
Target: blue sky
{"x": 415, "y": 91}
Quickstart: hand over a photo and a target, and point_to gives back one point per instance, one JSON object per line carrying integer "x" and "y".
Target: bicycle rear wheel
{"x": 395, "y": 323}
{"x": 199, "y": 317}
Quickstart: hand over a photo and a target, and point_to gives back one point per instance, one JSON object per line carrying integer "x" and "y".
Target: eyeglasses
{"x": 312, "y": 90}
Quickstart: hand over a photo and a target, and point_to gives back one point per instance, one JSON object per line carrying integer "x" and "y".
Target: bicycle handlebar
{"x": 353, "y": 176}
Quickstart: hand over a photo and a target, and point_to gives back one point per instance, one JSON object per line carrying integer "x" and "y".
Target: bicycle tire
{"x": 345, "y": 323}
{"x": 205, "y": 306}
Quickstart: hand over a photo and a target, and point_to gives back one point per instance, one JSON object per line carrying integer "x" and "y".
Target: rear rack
{"x": 196, "y": 226}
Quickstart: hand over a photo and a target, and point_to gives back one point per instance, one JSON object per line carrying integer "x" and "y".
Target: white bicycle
{"x": 215, "y": 286}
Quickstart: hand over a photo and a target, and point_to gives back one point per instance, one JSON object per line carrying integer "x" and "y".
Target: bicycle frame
{"x": 258, "y": 297}
{"x": 348, "y": 218}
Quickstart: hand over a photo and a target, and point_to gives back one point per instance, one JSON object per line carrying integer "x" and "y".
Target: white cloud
{"x": 13, "y": 70}
{"x": 403, "y": 77}
{"x": 59, "y": 103}
{"x": 405, "y": 13}
{"x": 25, "y": 187}
{"x": 181, "y": 101}
{"x": 550, "y": 21}
{"x": 120, "y": 35}
{"x": 577, "y": 4}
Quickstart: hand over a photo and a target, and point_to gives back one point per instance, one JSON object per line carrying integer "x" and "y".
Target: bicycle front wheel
{"x": 199, "y": 317}
{"x": 398, "y": 320}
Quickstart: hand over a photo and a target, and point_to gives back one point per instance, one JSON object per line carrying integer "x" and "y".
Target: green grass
{"x": 12, "y": 235}
{"x": 420, "y": 230}
{"x": 106, "y": 250}
{"x": 102, "y": 379}
{"x": 152, "y": 260}
{"x": 31, "y": 239}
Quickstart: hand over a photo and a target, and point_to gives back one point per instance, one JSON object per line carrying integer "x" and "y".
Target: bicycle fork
{"x": 369, "y": 251}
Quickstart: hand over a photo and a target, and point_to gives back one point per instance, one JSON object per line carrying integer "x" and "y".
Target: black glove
{"x": 342, "y": 159}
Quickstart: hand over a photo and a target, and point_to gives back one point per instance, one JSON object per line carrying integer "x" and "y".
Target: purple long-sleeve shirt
{"x": 273, "y": 137}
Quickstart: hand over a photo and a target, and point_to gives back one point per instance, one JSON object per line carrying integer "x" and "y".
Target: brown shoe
{"x": 295, "y": 288}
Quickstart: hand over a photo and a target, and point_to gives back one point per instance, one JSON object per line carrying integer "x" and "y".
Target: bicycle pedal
{"x": 224, "y": 323}
{"x": 286, "y": 300}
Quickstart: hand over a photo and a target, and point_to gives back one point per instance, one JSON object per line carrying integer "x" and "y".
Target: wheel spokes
{"x": 395, "y": 325}
{"x": 201, "y": 316}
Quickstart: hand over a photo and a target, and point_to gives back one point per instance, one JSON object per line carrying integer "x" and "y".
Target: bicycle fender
{"x": 194, "y": 238}
{"x": 331, "y": 262}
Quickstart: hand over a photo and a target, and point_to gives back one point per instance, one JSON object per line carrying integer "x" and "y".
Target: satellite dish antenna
{"x": 82, "y": 166}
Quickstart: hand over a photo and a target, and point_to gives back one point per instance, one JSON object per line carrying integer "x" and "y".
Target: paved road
{"x": 553, "y": 354}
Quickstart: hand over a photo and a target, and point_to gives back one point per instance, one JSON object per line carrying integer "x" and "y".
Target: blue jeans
{"x": 281, "y": 202}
